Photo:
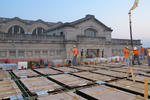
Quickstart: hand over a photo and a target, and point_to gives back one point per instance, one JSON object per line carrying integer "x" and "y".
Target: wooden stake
{"x": 146, "y": 88}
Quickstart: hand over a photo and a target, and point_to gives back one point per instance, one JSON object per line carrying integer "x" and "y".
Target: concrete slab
{"x": 62, "y": 96}
{"x": 94, "y": 77}
{"x": 66, "y": 69}
{"x": 140, "y": 78}
{"x": 85, "y": 68}
{"x": 4, "y": 75}
{"x": 130, "y": 85}
{"x": 24, "y": 73}
{"x": 38, "y": 84}
{"x": 48, "y": 71}
{"x": 111, "y": 73}
{"x": 70, "y": 80}
{"x": 107, "y": 93}
{"x": 8, "y": 88}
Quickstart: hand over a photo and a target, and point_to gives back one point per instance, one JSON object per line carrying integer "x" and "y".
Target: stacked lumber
{"x": 22, "y": 73}
{"x": 70, "y": 80}
{"x": 62, "y": 96}
{"x": 111, "y": 73}
{"x": 8, "y": 88}
{"x": 95, "y": 77}
{"x": 130, "y": 85}
{"x": 47, "y": 71}
{"x": 39, "y": 84}
{"x": 66, "y": 69}
{"x": 107, "y": 93}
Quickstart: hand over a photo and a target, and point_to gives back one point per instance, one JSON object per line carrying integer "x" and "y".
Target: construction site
{"x": 90, "y": 81}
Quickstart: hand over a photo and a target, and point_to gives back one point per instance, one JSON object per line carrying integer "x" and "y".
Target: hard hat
{"x": 74, "y": 46}
{"x": 135, "y": 48}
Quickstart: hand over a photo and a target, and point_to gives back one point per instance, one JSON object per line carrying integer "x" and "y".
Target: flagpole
{"x": 130, "y": 25}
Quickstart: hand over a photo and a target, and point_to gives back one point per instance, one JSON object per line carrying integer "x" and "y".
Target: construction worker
{"x": 126, "y": 55}
{"x": 142, "y": 53}
{"x": 148, "y": 56}
{"x": 75, "y": 53}
{"x": 135, "y": 56}
{"x": 82, "y": 56}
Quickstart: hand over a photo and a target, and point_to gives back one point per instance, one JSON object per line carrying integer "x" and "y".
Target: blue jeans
{"x": 148, "y": 60}
{"x": 127, "y": 61}
{"x": 74, "y": 61}
{"x": 136, "y": 57}
{"x": 142, "y": 56}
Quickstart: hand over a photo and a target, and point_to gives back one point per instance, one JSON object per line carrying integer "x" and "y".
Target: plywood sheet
{"x": 95, "y": 77}
{"x": 70, "y": 80}
{"x": 66, "y": 69}
{"x": 39, "y": 84}
{"x": 107, "y": 93}
{"x": 62, "y": 96}
{"x": 130, "y": 85}
{"x": 4, "y": 75}
{"x": 22, "y": 73}
{"x": 8, "y": 88}
{"x": 111, "y": 73}
{"x": 47, "y": 71}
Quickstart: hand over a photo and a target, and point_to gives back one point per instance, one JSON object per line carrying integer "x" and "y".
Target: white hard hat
{"x": 74, "y": 46}
{"x": 135, "y": 48}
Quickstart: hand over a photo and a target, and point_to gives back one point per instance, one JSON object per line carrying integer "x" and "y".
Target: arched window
{"x": 90, "y": 32}
{"x": 38, "y": 30}
{"x": 16, "y": 29}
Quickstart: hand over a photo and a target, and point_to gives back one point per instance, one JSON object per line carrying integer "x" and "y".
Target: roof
{"x": 72, "y": 24}
{"x": 27, "y": 22}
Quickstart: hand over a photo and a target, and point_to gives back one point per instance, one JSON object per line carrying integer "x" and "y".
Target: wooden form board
{"x": 140, "y": 78}
{"x": 4, "y": 75}
{"x": 111, "y": 73}
{"x": 95, "y": 77}
{"x": 38, "y": 84}
{"x": 130, "y": 85}
{"x": 62, "y": 96}
{"x": 8, "y": 88}
{"x": 107, "y": 93}
{"x": 66, "y": 69}
{"x": 85, "y": 68}
{"x": 47, "y": 71}
{"x": 28, "y": 73}
{"x": 70, "y": 80}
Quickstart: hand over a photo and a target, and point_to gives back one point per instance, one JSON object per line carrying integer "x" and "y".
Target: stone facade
{"x": 56, "y": 39}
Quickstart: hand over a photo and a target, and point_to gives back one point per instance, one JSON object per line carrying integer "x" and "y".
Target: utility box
{"x": 22, "y": 65}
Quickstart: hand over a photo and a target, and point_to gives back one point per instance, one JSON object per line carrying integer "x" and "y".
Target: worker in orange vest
{"x": 75, "y": 53}
{"x": 135, "y": 56}
{"x": 142, "y": 53}
{"x": 126, "y": 56}
{"x": 148, "y": 56}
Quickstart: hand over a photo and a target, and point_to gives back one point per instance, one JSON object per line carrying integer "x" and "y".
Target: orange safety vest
{"x": 75, "y": 51}
{"x": 148, "y": 52}
{"x": 142, "y": 50}
{"x": 135, "y": 52}
{"x": 126, "y": 52}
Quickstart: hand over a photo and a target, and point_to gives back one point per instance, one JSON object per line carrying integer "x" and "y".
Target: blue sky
{"x": 113, "y": 13}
